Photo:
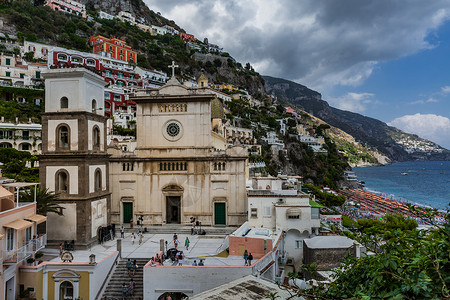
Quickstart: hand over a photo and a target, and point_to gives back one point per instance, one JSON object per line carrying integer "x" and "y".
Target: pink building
{"x": 69, "y": 6}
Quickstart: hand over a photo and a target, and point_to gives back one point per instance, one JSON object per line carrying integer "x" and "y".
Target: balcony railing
{"x": 20, "y": 254}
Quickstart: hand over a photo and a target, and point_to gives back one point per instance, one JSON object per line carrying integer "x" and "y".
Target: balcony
{"x": 17, "y": 255}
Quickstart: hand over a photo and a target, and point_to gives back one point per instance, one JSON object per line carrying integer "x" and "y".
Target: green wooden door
{"x": 127, "y": 212}
{"x": 219, "y": 214}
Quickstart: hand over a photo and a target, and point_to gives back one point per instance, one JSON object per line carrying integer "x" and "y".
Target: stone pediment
{"x": 173, "y": 87}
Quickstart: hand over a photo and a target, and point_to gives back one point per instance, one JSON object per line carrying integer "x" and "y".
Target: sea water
{"x": 421, "y": 182}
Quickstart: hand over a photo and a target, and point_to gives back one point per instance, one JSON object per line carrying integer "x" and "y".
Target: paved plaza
{"x": 201, "y": 247}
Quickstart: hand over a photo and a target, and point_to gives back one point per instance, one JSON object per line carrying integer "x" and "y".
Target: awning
{"x": 293, "y": 211}
{"x": 19, "y": 225}
{"x": 37, "y": 218}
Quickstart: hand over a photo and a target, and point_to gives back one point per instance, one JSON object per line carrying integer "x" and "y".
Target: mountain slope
{"x": 136, "y": 7}
{"x": 392, "y": 142}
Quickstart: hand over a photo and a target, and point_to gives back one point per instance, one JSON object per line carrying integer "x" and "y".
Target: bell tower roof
{"x": 74, "y": 90}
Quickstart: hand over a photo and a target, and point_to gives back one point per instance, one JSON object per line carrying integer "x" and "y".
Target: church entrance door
{"x": 219, "y": 214}
{"x": 173, "y": 209}
{"x": 127, "y": 211}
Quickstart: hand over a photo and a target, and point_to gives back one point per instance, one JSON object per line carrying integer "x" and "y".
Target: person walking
{"x": 176, "y": 244}
{"x": 60, "y": 249}
{"x": 249, "y": 259}
{"x": 140, "y": 237}
{"x": 124, "y": 290}
{"x": 245, "y": 257}
{"x": 133, "y": 237}
{"x": 122, "y": 232}
{"x": 129, "y": 266}
{"x": 131, "y": 287}
{"x": 135, "y": 266}
{"x": 186, "y": 243}
{"x": 180, "y": 259}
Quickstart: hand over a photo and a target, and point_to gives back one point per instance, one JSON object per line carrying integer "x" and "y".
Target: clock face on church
{"x": 172, "y": 130}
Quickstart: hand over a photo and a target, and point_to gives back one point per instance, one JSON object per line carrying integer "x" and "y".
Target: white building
{"x": 39, "y": 50}
{"x": 126, "y": 16}
{"x": 273, "y": 206}
{"x": 171, "y": 30}
{"x": 159, "y": 30}
{"x": 19, "y": 73}
{"x": 283, "y": 126}
{"x": 214, "y": 48}
{"x": 313, "y": 143}
{"x": 23, "y": 137}
{"x": 222, "y": 96}
{"x": 155, "y": 78}
{"x": 105, "y": 15}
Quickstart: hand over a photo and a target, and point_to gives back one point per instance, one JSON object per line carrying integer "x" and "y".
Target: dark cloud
{"x": 318, "y": 43}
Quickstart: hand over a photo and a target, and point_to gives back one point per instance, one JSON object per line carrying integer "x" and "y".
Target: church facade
{"x": 182, "y": 168}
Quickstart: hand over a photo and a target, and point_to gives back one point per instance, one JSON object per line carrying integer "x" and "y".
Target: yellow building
{"x": 54, "y": 280}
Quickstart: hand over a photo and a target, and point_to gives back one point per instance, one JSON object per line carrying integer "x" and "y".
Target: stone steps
{"x": 120, "y": 276}
{"x": 184, "y": 230}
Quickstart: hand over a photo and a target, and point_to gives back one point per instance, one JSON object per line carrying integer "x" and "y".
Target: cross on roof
{"x": 173, "y": 66}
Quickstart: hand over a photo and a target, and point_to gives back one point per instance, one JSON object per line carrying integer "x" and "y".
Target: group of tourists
{"x": 200, "y": 263}
{"x": 248, "y": 257}
{"x": 139, "y": 236}
{"x": 131, "y": 267}
{"x": 187, "y": 242}
{"x": 128, "y": 290}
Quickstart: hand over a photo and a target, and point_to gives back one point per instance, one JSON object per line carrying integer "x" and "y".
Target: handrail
{"x": 31, "y": 247}
{"x": 106, "y": 279}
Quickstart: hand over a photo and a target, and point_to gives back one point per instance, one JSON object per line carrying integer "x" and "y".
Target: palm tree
{"x": 46, "y": 200}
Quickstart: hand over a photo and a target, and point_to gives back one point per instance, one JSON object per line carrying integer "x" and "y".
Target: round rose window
{"x": 173, "y": 129}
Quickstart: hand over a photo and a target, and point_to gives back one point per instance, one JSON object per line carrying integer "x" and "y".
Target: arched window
{"x": 215, "y": 166}
{"x": 98, "y": 180}
{"x": 96, "y": 137}
{"x": 62, "y": 182}
{"x": 66, "y": 290}
{"x": 64, "y": 102}
{"x": 94, "y": 105}
{"x": 63, "y": 136}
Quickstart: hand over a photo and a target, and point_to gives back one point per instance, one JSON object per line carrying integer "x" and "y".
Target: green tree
{"x": 46, "y": 200}
{"x": 412, "y": 264}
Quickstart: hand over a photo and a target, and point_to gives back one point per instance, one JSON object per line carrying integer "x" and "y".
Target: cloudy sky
{"x": 386, "y": 59}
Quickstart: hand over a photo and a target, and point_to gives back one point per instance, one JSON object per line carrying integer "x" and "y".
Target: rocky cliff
{"x": 392, "y": 142}
{"x": 136, "y": 7}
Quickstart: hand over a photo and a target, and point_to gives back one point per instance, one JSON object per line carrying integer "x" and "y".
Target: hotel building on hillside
{"x": 69, "y": 6}
{"x": 113, "y": 47}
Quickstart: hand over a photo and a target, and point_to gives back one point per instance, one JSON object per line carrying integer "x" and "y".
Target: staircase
{"x": 120, "y": 276}
{"x": 180, "y": 229}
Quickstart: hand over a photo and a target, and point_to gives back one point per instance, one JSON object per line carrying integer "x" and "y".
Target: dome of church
{"x": 217, "y": 109}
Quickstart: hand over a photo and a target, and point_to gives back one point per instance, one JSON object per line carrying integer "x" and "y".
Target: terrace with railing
{"x": 29, "y": 249}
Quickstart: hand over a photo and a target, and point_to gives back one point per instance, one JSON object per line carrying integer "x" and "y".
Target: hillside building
{"x": 113, "y": 47}
{"x": 21, "y": 136}
{"x": 127, "y": 17}
{"x": 16, "y": 72}
{"x": 68, "y": 6}
{"x": 105, "y": 15}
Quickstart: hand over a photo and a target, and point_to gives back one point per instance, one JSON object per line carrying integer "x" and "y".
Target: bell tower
{"x": 74, "y": 162}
